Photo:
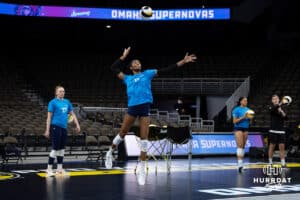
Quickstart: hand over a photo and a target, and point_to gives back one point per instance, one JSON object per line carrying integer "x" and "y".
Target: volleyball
{"x": 146, "y": 12}
{"x": 286, "y": 100}
{"x": 70, "y": 118}
{"x": 250, "y": 114}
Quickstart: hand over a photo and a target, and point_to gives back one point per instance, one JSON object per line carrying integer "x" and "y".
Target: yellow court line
{"x": 6, "y": 177}
{"x": 89, "y": 173}
{"x": 293, "y": 164}
{"x": 254, "y": 166}
{"x": 249, "y": 166}
{"x": 175, "y": 169}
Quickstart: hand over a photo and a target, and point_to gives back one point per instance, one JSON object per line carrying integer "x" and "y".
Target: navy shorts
{"x": 240, "y": 129}
{"x": 142, "y": 110}
{"x": 58, "y": 137}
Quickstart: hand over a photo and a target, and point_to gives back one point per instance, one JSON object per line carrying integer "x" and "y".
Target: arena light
{"x": 114, "y": 14}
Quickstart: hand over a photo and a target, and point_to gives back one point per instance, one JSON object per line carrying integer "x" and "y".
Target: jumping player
{"x": 139, "y": 99}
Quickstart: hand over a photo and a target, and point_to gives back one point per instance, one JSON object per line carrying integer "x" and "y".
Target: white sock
{"x": 270, "y": 161}
{"x": 240, "y": 163}
{"x": 59, "y": 167}
{"x": 282, "y": 161}
{"x": 110, "y": 150}
{"x": 143, "y": 164}
{"x": 50, "y": 167}
{"x": 117, "y": 140}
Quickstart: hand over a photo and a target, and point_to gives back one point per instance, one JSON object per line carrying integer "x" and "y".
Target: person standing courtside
{"x": 241, "y": 126}
{"x": 56, "y": 128}
{"x": 277, "y": 132}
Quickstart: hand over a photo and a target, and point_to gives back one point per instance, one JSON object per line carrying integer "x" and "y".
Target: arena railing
{"x": 184, "y": 120}
{"x": 241, "y": 91}
{"x": 216, "y": 86}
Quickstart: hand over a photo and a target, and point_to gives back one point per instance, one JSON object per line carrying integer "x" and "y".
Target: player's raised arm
{"x": 116, "y": 66}
{"x": 187, "y": 59}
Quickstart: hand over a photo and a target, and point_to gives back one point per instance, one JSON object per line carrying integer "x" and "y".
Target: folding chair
{"x": 179, "y": 136}
{"x": 157, "y": 143}
{"x": 12, "y": 150}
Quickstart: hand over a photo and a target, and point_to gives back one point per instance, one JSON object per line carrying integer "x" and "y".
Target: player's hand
{"x": 189, "y": 58}
{"x": 125, "y": 53}
{"x": 281, "y": 111}
{"x": 245, "y": 117}
{"x": 47, "y": 134}
{"x": 77, "y": 129}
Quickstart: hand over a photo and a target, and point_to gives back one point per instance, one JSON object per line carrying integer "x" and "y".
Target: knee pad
{"x": 53, "y": 154}
{"x": 144, "y": 145}
{"x": 61, "y": 153}
{"x": 117, "y": 140}
{"x": 240, "y": 152}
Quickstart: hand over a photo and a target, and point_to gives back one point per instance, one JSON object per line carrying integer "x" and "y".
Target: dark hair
{"x": 239, "y": 101}
{"x": 130, "y": 63}
{"x": 275, "y": 95}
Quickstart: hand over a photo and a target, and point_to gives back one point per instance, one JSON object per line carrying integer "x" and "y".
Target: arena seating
{"x": 89, "y": 82}
{"x": 284, "y": 82}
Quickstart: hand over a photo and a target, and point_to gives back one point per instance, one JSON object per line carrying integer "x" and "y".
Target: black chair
{"x": 179, "y": 136}
{"x": 158, "y": 143}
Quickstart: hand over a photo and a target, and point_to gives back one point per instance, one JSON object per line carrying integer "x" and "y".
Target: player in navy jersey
{"x": 139, "y": 100}
{"x": 56, "y": 128}
{"x": 241, "y": 125}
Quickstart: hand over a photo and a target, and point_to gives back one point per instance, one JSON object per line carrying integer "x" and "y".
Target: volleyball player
{"x": 277, "y": 132}
{"x": 139, "y": 100}
{"x": 56, "y": 128}
{"x": 241, "y": 127}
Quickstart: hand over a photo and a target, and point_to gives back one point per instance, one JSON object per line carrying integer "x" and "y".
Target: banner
{"x": 202, "y": 144}
{"x": 114, "y": 14}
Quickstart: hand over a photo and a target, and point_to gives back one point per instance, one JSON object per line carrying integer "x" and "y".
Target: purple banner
{"x": 114, "y": 14}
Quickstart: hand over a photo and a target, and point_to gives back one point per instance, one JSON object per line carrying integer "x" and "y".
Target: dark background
{"x": 274, "y": 28}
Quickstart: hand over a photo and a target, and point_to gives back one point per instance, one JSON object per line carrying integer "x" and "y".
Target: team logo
{"x": 270, "y": 170}
{"x": 275, "y": 175}
{"x": 64, "y": 109}
{"x": 136, "y": 79}
{"x": 27, "y": 10}
{"x": 8, "y": 176}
